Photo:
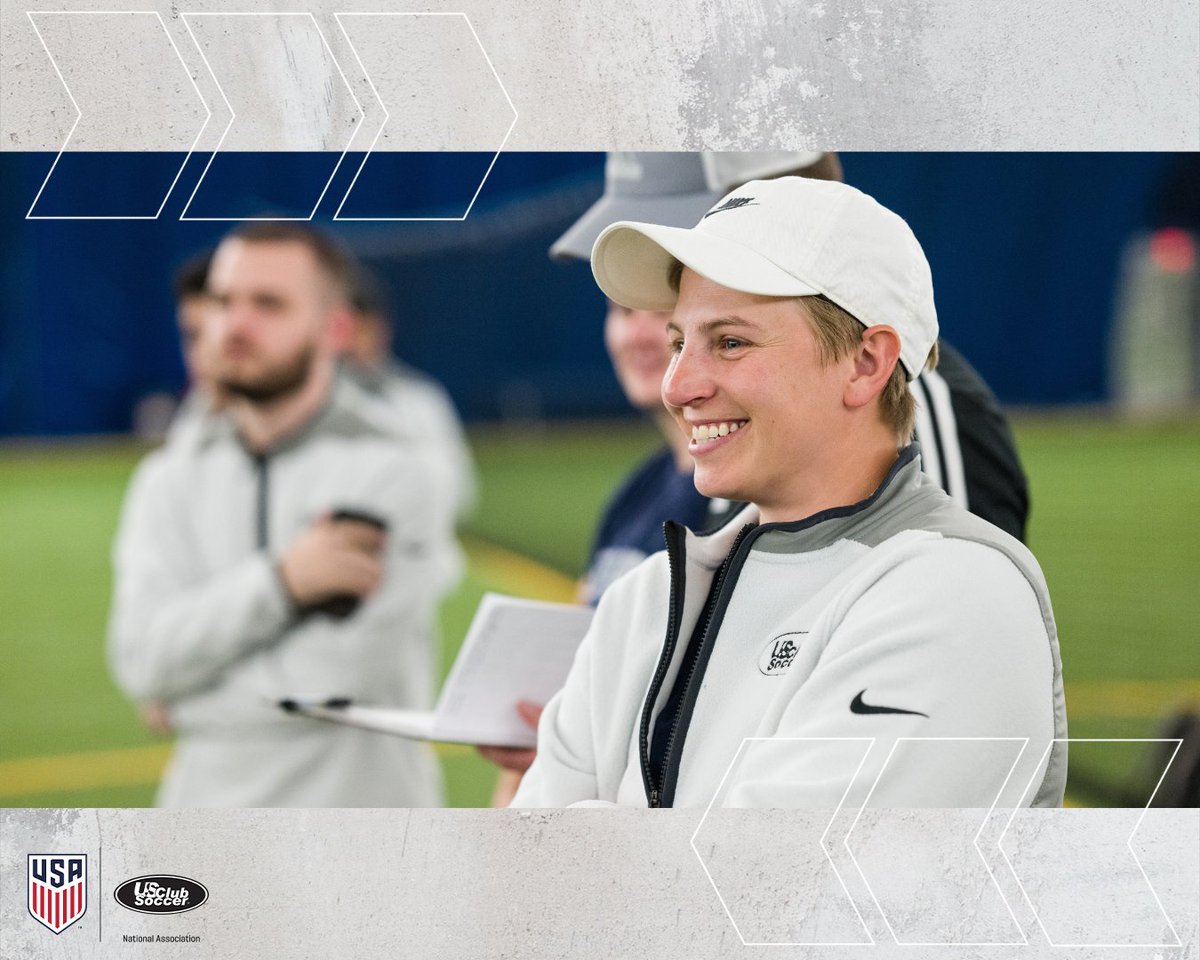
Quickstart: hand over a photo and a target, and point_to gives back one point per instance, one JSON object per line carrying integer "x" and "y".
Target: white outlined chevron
{"x": 30, "y": 14}
{"x": 870, "y": 743}
{"x": 387, "y": 114}
{"x": 186, "y": 17}
{"x": 1024, "y": 742}
{"x": 1128, "y": 844}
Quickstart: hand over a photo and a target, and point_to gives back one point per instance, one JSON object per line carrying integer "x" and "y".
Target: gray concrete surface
{"x": 486, "y": 884}
{"x": 748, "y": 74}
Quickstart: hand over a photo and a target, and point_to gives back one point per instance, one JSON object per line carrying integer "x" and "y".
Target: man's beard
{"x": 275, "y": 385}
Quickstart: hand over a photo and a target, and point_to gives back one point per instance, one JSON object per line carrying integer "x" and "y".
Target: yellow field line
{"x": 516, "y": 573}
{"x": 95, "y": 769}
{"x": 1122, "y": 699}
{"x": 83, "y": 771}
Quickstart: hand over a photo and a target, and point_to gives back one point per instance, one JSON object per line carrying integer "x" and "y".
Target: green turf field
{"x": 1116, "y": 521}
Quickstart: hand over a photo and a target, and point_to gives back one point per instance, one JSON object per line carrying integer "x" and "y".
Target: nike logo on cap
{"x": 733, "y": 203}
{"x": 857, "y": 706}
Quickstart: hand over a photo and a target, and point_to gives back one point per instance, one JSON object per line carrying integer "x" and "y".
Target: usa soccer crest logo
{"x": 57, "y": 889}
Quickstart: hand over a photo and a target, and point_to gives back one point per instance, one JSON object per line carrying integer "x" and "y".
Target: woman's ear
{"x": 874, "y": 360}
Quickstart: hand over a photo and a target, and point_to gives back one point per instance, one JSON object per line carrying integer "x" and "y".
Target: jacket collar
{"x": 340, "y": 414}
{"x": 818, "y": 530}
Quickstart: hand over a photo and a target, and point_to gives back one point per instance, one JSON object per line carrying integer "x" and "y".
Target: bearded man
{"x": 291, "y": 546}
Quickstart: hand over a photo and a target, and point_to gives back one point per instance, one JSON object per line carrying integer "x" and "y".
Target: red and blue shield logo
{"x": 57, "y": 889}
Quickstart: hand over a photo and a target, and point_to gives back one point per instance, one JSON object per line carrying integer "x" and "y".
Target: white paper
{"x": 515, "y": 649}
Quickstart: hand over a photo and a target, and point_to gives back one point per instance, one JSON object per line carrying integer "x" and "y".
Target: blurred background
{"x": 1070, "y": 281}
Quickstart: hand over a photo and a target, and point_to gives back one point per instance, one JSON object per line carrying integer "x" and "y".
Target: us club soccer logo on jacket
{"x": 778, "y": 655}
{"x": 57, "y": 889}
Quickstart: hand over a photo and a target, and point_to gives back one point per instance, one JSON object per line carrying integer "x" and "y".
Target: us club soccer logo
{"x": 57, "y": 889}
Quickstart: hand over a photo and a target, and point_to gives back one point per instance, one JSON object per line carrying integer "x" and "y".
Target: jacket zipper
{"x": 657, "y": 788}
{"x": 262, "y": 520}
{"x": 673, "y": 535}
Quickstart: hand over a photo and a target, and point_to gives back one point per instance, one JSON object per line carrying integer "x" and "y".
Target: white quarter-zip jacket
{"x": 201, "y": 621}
{"x": 899, "y": 651}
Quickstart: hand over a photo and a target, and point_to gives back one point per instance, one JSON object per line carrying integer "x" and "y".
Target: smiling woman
{"x": 887, "y": 585}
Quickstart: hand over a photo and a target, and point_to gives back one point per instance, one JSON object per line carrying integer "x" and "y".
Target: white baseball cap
{"x": 788, "y": 237}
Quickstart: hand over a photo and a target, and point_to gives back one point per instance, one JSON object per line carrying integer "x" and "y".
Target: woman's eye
{"x": 676, "y": 345}
{"x": 731, "y": 343}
